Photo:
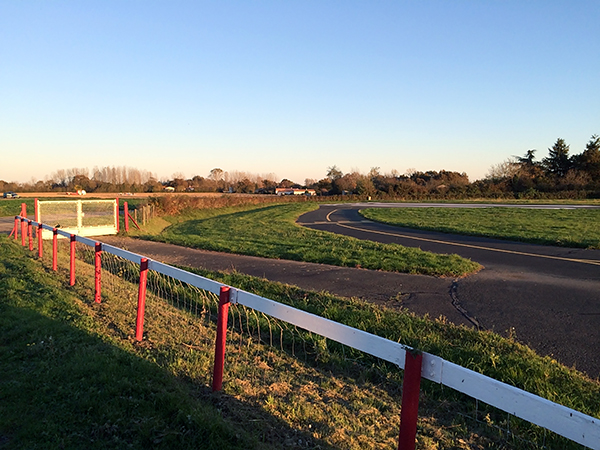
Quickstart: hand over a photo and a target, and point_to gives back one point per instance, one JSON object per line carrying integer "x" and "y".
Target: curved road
{"x": 548, "y": 297}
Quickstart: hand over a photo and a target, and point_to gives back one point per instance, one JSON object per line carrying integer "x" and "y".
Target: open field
{"x": 509, "y": 201}
{"x": 122, "y": 195}
{"x": 353, "y": 198}
{"x": 12, "y": 207}
{"x": 562, "y": 227}
{"x": 72, "y": 376}
{"x": 271, "y": 232}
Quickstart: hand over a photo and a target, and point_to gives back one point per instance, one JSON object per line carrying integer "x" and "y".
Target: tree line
{"x": 558, "y": 175}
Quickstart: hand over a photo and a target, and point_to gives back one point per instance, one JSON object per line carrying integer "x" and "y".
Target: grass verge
{"x": 12, "y": 206}
{"x": 271, "y": 232}
{"x": 561, "y": 227}
{"x": 71, "y": 375}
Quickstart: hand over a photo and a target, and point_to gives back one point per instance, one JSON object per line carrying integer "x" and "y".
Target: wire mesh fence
{"x": 64, "y": 214}
{"x": 504, "y": 430}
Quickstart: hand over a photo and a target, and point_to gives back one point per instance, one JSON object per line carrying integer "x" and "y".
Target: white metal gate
{"x": 81, "y": 217}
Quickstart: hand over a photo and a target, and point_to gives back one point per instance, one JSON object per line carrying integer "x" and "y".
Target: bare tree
{"x": 216, "y": 174}
{"x": 505, "y": 169}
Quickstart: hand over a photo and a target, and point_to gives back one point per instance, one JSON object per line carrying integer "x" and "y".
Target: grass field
{"x": 71, "y": 375}
{"x": 12, "y": 207}
{"x": 511, "y": 201}
{"x": 271, "y": 232}
{"x": 562, "y": 227}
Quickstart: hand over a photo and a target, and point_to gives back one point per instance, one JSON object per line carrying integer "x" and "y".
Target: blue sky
{"x": 292, "y": 87}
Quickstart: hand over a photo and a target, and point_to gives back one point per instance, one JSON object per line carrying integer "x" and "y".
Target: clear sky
{"x": 293, "y": 87}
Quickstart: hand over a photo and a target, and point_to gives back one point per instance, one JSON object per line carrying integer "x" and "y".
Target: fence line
{"x": 557, "y": 418}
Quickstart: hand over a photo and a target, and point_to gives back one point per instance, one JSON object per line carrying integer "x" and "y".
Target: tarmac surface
{"x": 547, "y": 297}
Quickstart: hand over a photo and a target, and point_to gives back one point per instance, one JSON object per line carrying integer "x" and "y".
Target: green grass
{"x": 271, "y": 232}
{"x": 71, "y": 375}
{"x": 562, "y": 227}
{"x": 12, "y": 206}
{"x": 511, "y": 201}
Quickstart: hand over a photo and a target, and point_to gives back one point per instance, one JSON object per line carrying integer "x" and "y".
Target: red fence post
{"x": 23, "y": 231}
{"x": 72, "y": 264}
{"x": 23, "y": 226}
{"x": 35, "y": 214}
{"x": 98, "y": 272}
{"x": 40, "y": 242}
{"x": 54, "y": 249}
{"x": 217, "y": 383}
{"x": 410, "y": 401}
{"x": 30, "y": 234}
{"x": 117, "y": 212}
{"x": 126, "y": 216}
{"x": 139, "y": 322}
{"x": 16, "y": 230}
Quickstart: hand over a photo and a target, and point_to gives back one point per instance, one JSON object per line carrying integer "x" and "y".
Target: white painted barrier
{"x": 187, "y": 277}
{"x": 361, "y": 340}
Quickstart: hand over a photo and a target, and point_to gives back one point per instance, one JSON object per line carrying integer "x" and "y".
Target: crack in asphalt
{"x": 458, "y": 306}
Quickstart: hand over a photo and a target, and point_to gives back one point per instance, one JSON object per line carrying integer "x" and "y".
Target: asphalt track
{"x": 547, "y": 297}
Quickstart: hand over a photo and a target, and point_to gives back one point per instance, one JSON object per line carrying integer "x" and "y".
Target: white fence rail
{"x": 559, "y": 419}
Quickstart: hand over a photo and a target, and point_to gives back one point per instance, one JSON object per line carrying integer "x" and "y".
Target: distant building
{"x": 169, "y": 189}
{"x": 294, "y": 191}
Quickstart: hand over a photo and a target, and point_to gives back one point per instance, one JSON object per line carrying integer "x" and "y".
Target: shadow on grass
{"x": 61, "y": 387}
